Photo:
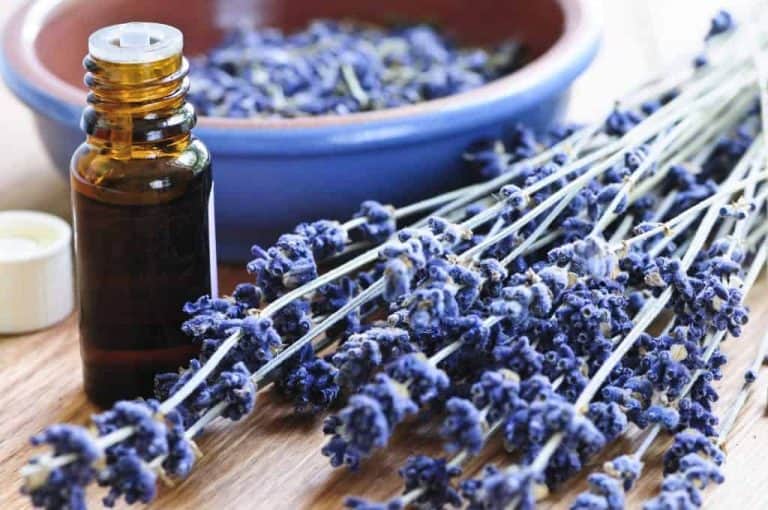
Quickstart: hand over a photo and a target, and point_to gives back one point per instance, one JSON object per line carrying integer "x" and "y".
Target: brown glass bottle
{"x": 141, "y": 194}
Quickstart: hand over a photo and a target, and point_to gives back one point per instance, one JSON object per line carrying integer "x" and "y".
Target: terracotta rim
{"x": 582, "y": 28}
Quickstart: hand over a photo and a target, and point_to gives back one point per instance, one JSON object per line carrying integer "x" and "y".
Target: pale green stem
{"x": 333, "y": 274}
{"x": 454, "y": 346}
{"x": 540, "y": 229}
{"x": 353, "y": 84}
{"x": 201, "y": 375}
{"x": 594, "y": 171}
{"x": 622, "y": 230}
{"x": 659, "y": 146}
{"x": 494, "y": 184}
{"x": 699, "y": 207}
{"x": 362, "y": 298}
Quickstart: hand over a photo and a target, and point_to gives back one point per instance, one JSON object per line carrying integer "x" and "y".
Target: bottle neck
{"x": 138, "y": 110}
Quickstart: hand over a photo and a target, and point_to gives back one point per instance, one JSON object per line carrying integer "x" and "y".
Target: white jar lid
{"x": 135, "y": 43}
{"x": 36, "y": 275}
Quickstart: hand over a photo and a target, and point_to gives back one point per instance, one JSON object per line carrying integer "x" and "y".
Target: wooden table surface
{"x": 271, "y": 460}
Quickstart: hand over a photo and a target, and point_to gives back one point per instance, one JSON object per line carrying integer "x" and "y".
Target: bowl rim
{"x": 22, "y": 69}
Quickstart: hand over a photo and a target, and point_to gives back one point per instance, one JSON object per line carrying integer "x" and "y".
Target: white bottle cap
{"x": 135, "y": 43}
{"x": 36, "y": 276}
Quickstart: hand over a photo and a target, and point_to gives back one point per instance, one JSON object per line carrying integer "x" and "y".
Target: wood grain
{"x": 272, "y": 459}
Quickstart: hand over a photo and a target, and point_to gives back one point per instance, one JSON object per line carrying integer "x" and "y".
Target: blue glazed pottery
{"x": 274, "y": 173}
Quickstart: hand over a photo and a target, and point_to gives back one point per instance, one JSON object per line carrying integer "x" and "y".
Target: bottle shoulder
{"x": 146, "y": 175}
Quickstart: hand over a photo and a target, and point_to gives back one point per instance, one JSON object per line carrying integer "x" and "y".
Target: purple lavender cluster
{"x": 131, "y": 467}
{"x": 337, "y": 68}
{"x": 572, "y": 304}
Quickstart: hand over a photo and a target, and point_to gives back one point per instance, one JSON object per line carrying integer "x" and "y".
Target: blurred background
{"x": 639, "y": 36}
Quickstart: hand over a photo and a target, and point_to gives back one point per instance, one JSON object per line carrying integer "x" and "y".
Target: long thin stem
{"x": 416, "y": 207}
{"x": 494, "y": 184}
{"x": 201, "y": 375}
{"x": 664, "y": 228}
{"x": 658, "y": 147}
{"x": 363, "y": 297}
{"x": 539, "y": 230}
{"x": 741, "y": 397}
{"x": 333, "y": 274}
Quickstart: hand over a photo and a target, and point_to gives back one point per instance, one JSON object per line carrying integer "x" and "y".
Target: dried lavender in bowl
{"x": 336, "y": 68}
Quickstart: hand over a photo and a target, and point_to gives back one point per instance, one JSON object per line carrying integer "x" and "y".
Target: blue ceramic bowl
{"x": 272, "y": 174}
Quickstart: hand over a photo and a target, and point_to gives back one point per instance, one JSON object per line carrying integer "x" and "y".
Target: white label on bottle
{"x": 212, "y": 244}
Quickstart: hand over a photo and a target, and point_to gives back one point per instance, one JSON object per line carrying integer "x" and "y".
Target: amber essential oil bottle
{"x": 142, "y": 202}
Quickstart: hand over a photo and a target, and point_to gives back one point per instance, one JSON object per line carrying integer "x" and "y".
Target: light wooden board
{"x": 272, "y": 459}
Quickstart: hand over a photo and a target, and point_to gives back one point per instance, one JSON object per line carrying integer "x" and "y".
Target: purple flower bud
{"x": 721, "y": 23}
{"x": 463, "y": 427}
{"x": 620, "y": 122}
{"x": 608, "y": 418}
{"x": 181, "y": 456}
{"x": 128, "y": 477}
{"x": 605, "y": 492}
{"x": 149, "y": 438}
{"x": 308, "y": 381}
{"x": 236, "y": 389}
{"x": 366, "y": 423}
{"x": 514, "y": 196}
{"x": 488, "y": 159}
{"x": 626, "y": 468}
{"x": 288, "y": 264}
{"x": 65, "y": 485}
{"x": 379, "y": 221}
{"x": 499, "y": 489}
{"x": 325, "y": 237}
{"x": 433, "y": 478}
{"x": 424, "y": 381}
{"x": 667, "y": 417}
{"x": 690, "y": 441}
{"x": 361, "y": 504}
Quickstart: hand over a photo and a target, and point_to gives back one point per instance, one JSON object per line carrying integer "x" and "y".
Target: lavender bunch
{"x": 338, "y": 68}
{"x": 558, "y": 455}
{"x": 732, "y": 319}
